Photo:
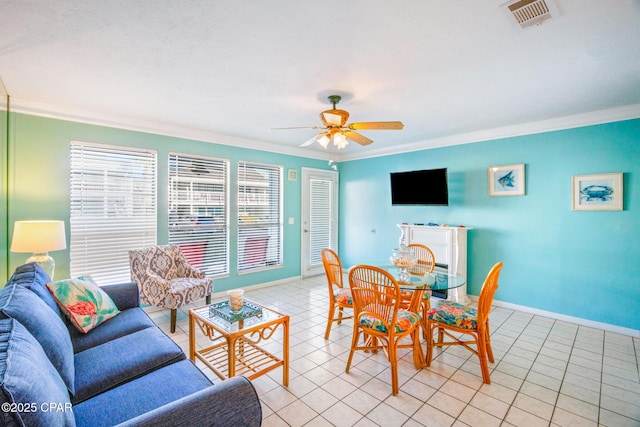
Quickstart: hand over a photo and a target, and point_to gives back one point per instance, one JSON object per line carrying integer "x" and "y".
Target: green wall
{"x": 39, "y": 184}
{"x": 584, "y": 264}
{"x": 4, "y": 224}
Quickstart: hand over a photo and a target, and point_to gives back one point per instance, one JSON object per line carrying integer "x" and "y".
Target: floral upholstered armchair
{"x": 166, "y": 279}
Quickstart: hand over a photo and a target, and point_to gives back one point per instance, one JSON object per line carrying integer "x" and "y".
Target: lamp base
{"x": 45, "y": 261}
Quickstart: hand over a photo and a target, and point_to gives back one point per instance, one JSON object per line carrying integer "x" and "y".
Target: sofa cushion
{"x": 82, "y": 300}
{"x": 45, "y": 326}
{"x": 33, "y": 277}
{"x": 123, "y": 359}
{"x": 142, "y": 395}
{"x": 125, "y": 323}
{"x": 29, "y": 381}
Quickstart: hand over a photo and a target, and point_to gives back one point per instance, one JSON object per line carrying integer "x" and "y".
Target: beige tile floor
{"x": 547, "y": 372}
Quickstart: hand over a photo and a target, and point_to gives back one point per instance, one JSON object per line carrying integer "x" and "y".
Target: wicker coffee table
{"x": 237, "y": 345}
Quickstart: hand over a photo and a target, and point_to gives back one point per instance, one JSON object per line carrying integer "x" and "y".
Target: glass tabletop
{"x": 436, "y": 280}
{"x": 231, "y": 325}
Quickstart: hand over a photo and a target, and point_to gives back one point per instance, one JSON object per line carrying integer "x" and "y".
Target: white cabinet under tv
{"x": 449, "y": 246}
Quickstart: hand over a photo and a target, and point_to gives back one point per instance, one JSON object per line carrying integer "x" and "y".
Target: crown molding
{"x": 118, "y": 122}
{"x": 568, "y": 122}
{"x": 573, "y": 121}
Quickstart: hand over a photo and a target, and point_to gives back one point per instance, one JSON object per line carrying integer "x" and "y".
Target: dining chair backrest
{"x": 426, "y": 259}
{"x": 487, "y": 292}
{"x": 332, "y": 267}
{"x": 376, "y": 293}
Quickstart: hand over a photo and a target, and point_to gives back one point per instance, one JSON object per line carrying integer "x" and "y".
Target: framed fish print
{"x": 597, "y": 192}
{"x": 507, "y": 180}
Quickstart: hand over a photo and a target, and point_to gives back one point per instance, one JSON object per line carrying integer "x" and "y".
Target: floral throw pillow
{"x": 82, "y": 300}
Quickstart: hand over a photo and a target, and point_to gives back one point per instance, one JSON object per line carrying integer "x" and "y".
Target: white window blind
{"x": 320, "y": 218}
{"x": 113, "y": 209}
{"x": 259, "y": 216}
{"x": 198, "y": 211}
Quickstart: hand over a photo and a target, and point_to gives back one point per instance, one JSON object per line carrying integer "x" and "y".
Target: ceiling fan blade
{"x": 357, "y": 138}
{"x": 376, "y": 126}
{"x": 309, "y": 142}
{"x": 300, "y": 127}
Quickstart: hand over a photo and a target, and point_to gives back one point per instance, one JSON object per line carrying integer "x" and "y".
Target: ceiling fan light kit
{"x": 338, "y": 132}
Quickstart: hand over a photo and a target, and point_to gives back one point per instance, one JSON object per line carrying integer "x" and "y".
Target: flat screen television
{"x": 422, "y": 187}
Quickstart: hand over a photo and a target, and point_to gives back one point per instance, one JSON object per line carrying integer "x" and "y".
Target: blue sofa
{"x": 124, "y": 372}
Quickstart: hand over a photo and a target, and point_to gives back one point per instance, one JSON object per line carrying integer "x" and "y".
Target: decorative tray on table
{"x": 221, "y": 309}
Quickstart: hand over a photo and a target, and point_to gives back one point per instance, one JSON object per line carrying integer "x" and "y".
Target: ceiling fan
{"x": 337, "y": 130}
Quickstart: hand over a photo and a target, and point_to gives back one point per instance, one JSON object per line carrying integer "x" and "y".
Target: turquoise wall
{"x": 39, "y": 184}
{"x": 576, "y": 263}
{"x": 584, "y": 264}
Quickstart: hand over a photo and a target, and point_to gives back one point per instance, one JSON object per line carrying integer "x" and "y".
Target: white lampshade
{"x": 38, "y": 236}
{"x": 323, "y": 140}
{"x": 340, "y": 141}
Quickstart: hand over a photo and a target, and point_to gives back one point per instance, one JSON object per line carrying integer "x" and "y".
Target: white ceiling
{"x": 228, "y": 71}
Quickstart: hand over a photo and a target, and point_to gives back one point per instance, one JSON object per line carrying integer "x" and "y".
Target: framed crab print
{"x": 506, "y": 180}
{"x": 601, "y": 192}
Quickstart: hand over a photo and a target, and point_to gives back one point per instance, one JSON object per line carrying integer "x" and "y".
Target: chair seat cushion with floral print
{"x": 454, "y": 314}
{"x": 404, "y": 321}
{"x": 343, "y": 296}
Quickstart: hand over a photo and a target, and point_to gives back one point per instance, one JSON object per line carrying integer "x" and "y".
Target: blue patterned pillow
{"x": 28, "y": 381}
{"x": 45, "y": 326}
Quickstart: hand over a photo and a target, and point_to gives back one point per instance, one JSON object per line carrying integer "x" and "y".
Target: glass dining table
{"x": 413, "y": 279}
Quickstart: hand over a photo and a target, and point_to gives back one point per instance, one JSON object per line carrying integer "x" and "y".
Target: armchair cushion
{"x": 45, "y": 326}
{"x": 29, "y": 381}
{"x": 83, "y": 302}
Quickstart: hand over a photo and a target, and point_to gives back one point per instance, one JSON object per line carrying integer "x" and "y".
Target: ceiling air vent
{"x": 530, "y": 12}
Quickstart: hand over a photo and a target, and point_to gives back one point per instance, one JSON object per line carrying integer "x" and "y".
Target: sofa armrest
{"x": 233, "y": 402}
{"x": 124, "y": 295}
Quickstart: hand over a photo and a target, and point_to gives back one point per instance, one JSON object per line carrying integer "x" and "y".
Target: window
{"x": 113, "y": 209}
{"x": 259, "y": 216}
{"x": 198, "y": 203}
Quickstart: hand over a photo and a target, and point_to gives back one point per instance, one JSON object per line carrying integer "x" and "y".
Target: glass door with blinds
{"x": 319, "y": 217}
{"x": 198, "y": 211}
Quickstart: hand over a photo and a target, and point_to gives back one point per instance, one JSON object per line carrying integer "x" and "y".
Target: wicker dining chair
{"x": 449, "y": 318}
{"x": 379, "y": 320}
{"x": 426, "y": 259}
{"x": 339, "y": 296}
{"x": 426, "y": 264}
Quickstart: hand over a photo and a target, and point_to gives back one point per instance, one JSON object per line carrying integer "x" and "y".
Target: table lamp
{"x": 39, "y": 237}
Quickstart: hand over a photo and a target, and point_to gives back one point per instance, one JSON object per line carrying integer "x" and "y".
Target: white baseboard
{"x": 550, "y": 314}
{"x": 223, "y": 294}
{"x": 557, "y": 316}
